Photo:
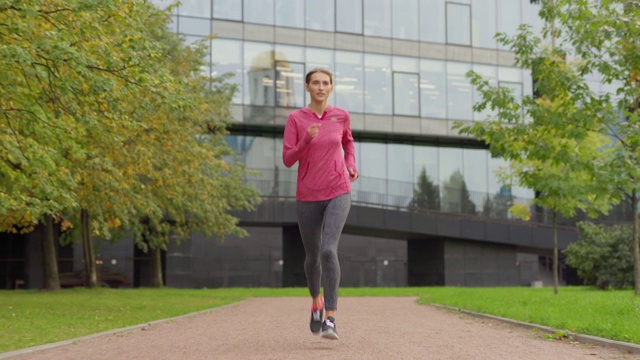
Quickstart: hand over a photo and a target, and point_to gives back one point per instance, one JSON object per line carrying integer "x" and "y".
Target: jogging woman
{"x": 319, "y": 138}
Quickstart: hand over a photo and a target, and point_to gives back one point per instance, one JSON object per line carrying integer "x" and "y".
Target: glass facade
{"x": 390, "y": 86}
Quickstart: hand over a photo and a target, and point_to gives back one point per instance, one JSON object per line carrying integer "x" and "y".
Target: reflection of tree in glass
{"x": 456, "y": 195}
{"x": 426, "y": 195}
{"x": 498, "y": 207}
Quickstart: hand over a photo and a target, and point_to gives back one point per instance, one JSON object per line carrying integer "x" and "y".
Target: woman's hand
{"x": 314, "y": 129}
{"x": 353, "y": 174}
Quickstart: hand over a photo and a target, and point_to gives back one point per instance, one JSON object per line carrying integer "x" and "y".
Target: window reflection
{"x": 290, "y": 13}
{"x": 433, "y": 89}
{"x": 319, "y": 15}
{"x": 259, "y": 11}
{"x": 349, "y": 81}
{"x": 373, "y": 167}
{"x": 349, "y": 16}
{"x": 405, "y": 94}
{"x": 484, "y": 23}
{"x": 508, "y": 17}
{"x": 400, "y": 174}
{"x": 432, "y": 21}
{"x": 377, "y": 18}
{"x": 289, "y": 84}
{"x": 405, "y": 19}
{"x": 260, "y": 74}
{"x": 475, "y": 175}
{"x": 226, "y": 56}
{"x": 378, "y": 89}
{"x": 459, "y": 24}
{"x": 196, "y": 8}
{"x": 459, "y": 91}
{"x": 227, "y": 9}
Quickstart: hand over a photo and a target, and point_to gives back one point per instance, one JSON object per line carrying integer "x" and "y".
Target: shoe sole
{"x": 330, "y": 335}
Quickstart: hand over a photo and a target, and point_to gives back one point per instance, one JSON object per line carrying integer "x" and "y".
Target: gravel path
{"x": 369, "y": 328}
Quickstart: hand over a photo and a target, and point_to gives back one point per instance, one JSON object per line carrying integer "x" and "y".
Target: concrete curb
{"x": 30, "y": 350}
{"x": 586, "y": 339}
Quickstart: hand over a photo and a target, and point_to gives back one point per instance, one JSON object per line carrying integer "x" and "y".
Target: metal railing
{"x": 404, "y": 196}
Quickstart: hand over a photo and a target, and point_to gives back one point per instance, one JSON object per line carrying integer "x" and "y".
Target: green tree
{"x": 426, "y": 194}
{"x": 553, "y": 141}
{"x": 456, "y": 196}
{"x": 604, "y": 35}
{"x": 603, "y": 257}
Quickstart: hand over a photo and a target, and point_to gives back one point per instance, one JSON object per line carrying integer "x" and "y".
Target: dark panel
{"x": 490, "y": 279}
{"x": 520, "y": 235}
{"x": 454, "y": 278}
{"x": 497, "y": 232}
{"x": 425, "y": 262}
{"x": 473, "y": 229}
{"x": 449, "y": 226}
{"x": 293, "y": 258}
{"x": 396, "y": 220}
{"x": 543, "y": 236}
{"x": 371, "y": 217}
{"x": 472, "y": 279}
{"x": 423, "y": 223}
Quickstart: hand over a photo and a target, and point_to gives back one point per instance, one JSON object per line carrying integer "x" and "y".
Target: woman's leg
{"x": 335, "y": 217}
{"x": 310, "y": 221}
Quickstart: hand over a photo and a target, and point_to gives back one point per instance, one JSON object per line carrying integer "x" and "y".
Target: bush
{"x": 603, "y": 256}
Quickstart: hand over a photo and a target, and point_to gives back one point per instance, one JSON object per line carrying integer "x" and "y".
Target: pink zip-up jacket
{"x": 322, "y": 168}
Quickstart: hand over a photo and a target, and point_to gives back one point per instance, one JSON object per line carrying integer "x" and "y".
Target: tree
{"x": 426, "y": 195}
{"x": 603, "y": 257}
{"x": 604, "y": 35}
{"x": 109, "y": 124}
{"x": 553, "y": 141}
{"x": 456, "y": 197}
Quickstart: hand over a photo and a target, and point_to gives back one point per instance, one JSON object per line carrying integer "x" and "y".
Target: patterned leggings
{"x": 321, "y": 224}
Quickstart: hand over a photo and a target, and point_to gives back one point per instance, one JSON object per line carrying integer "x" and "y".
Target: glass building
{"x": 399, "y": 69}
{"x": 429, "y": 207}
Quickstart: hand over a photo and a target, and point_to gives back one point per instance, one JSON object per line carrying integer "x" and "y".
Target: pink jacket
{"x": 322, "y": 168}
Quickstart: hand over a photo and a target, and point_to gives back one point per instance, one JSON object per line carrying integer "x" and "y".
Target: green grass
{"x": 29, "y": 318}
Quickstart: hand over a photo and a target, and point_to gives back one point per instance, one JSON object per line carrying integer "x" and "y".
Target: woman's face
{"x": 319, "y": 87}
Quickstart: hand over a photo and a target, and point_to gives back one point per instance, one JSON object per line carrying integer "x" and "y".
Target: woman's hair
{"x": 307, "y": 79}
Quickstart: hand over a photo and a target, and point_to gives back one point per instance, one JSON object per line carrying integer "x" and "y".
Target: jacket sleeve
{"x": 348, "y": 146}
{"x": 292, "y": 150}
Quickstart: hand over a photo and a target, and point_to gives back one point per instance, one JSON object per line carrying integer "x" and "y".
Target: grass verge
{"x": 29, "y": 318}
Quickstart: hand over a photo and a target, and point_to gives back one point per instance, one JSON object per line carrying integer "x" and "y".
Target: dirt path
{"x": 369, "y": 327}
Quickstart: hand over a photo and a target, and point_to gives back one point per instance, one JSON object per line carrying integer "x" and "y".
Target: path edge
{"x": 587, "y": 339}
{"x": 33, "y": 349}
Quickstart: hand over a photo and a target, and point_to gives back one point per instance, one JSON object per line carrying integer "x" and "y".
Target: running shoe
{"x": 317, "y": 314}
{"x": 329, "y": 330}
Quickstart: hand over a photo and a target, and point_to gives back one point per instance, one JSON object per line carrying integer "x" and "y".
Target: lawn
{"x": 29, "y": 318}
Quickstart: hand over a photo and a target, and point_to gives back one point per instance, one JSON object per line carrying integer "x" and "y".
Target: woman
{"x": 316, "y": 137}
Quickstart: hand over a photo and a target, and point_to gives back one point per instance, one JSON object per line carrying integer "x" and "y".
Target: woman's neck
{"x": 318, "y": 108}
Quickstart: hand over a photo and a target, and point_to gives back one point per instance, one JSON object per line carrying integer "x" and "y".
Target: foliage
{"x": 603, "y": 256}
{"x": 426, "y": 195}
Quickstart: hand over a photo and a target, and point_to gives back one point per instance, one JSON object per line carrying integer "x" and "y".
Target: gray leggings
{"x": 321, "y": 224}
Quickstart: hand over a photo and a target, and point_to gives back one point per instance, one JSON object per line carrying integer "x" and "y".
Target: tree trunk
{"x": 156, "y": 267}
{"x": 636, "y": 241}
{"x": 51, "y": 280}
{"x": 91, "y": 279}
{"x": 555, "y": 252}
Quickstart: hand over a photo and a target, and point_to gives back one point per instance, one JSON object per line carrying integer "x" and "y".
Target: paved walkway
{"x": 369, "y": 327}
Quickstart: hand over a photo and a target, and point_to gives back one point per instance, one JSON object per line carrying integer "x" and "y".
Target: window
{"x": 290, "y": 73}
{"x": 227, "y": 9}
{"x": 484, "y": 23}
{"x": 226, "y": 57}
{"x": 489, "y": 73}
{"x": 195, "y": 8}
{"x": 433, "y": 89}
{"x": 260, "y": 74}
{"x": 459, "y": 98}
{"x": 191, "y": 26}
{"x": 405, "y": 19}
{"x": 349, "y": 81}
{"x": 432, "y": 24}
{"x": 290, "y": 13}
{"x": 378, "y": 93}
{"x": 259, "y": 11}
{"x": 508, "y": 17}
{"x": 459, "y": 24}
{"x": 406, "y": 96}
{"x": 319, "y": 15}
{"x": 349, "y": 16}
{"x": 377, "y": 18}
